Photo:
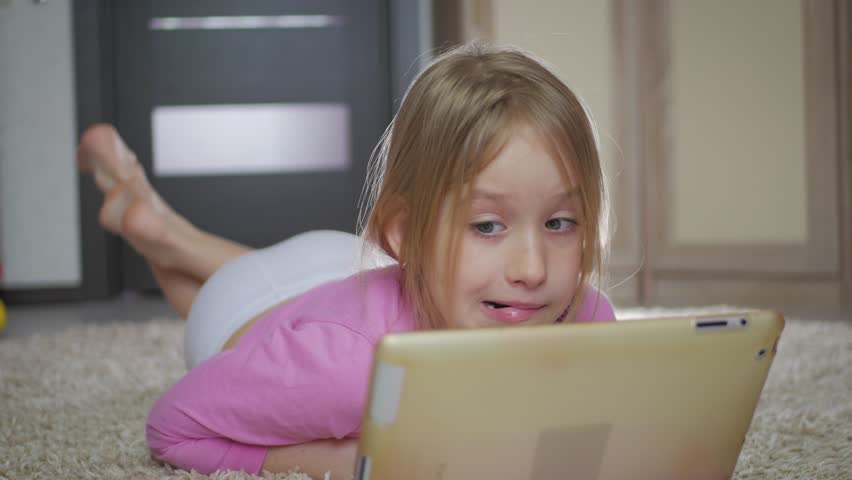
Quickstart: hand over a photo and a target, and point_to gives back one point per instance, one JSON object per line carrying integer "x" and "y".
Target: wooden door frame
{"x": 819, "y": 267}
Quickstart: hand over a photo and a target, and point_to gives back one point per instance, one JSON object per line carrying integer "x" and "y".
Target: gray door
{"x": 203, "y": 87}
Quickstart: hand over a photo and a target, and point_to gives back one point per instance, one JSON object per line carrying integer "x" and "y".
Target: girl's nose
{"x": 527, "y": 266}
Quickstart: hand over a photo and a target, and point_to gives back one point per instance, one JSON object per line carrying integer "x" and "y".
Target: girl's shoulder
{"x": 595, "y": 306}
{"x": 369, "y": 302}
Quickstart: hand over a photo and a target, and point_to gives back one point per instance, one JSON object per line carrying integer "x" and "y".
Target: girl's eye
{"x": 488, "y": 228}
{"x": 560, "y": 224}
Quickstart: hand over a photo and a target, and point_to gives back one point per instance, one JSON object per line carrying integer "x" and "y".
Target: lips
{"x": 508, "y": 311}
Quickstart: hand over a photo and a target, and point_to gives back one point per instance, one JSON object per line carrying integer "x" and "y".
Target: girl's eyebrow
{"x": 568, "y": 195}
{"x": 486, "y": 195}
{"x": 479, "y": 194}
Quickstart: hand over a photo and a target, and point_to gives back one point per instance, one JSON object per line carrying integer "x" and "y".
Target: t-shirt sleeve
{"x": 595, "y": 307}
{"x": 303, "y": 382}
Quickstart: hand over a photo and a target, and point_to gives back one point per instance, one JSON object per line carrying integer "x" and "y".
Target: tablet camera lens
{"x": 743, "y": 322}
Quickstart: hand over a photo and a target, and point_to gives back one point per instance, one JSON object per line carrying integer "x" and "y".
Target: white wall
{"x": 575, "y": 38}
{"x": 39, "y": 206}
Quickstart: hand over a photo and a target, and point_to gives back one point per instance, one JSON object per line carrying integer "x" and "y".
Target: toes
{"x": 104, "y": 180}
{"x": 102, "y": 152}
{"x": 93, "y": 141}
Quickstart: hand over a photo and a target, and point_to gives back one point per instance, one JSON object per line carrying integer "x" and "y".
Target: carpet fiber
{"x": 73, "y": 404}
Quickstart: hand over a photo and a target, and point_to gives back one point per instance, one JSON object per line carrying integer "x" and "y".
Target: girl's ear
{"x": 394, "y": 234}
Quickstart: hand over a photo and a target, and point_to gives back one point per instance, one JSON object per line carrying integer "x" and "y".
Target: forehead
{"x": 524, "y": 167}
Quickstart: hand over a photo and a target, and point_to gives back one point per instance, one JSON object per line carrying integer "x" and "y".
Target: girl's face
{"x": 520, "y": 251}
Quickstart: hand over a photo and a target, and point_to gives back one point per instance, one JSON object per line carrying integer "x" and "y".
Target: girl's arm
{"x": 301, "y": 383}
{"x": 315, "y": 458}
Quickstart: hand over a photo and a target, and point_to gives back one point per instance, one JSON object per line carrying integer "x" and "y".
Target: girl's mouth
{"x": 509, "y": 312}
{"x": 494, "y": 304}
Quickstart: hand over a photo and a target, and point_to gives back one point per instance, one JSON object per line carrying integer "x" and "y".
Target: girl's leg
{"x": 162, "y": 236}
{"x": 178, "y": 288}
{"x": 181, "y": 256}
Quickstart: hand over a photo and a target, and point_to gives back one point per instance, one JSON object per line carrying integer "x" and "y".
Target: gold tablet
{"x": 657, "y": 399}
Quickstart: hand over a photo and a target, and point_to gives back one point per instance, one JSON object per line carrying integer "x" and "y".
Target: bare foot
{"x": 131, "y": 207}
{"x": 103, "y": 153}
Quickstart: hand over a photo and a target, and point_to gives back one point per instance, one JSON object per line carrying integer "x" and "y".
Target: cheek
{"x": 473, "y": 274}
{"x": 476, "y": 268}
{"x": 570, "y": 263}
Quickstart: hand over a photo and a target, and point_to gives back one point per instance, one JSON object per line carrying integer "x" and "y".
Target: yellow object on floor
{"x": 2, "y": 316}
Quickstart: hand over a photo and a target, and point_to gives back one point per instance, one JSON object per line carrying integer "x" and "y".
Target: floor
{"x": 25, "y": 320}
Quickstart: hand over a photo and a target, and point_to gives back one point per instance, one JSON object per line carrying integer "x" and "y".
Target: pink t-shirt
{"x": 298, "y": 374}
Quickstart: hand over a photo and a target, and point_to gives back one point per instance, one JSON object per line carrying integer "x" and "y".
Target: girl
{"x": 486, "y": 196}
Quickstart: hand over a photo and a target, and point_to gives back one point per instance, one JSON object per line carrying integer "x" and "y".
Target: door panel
{"x": 199, "y": 53}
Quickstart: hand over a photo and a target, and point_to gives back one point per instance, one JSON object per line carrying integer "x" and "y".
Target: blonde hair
{"x": 453, "y": 121}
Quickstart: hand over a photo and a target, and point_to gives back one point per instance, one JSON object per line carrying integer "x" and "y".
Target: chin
{"x": 480, "y": 323}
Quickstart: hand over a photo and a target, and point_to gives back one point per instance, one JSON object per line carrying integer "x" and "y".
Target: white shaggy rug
{"x": 73, "y": 404}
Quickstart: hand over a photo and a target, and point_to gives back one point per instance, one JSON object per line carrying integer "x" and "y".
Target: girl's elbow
{"x": 177, "y": 452}
{"x": 161, "y": 445}
{"x": 178, "y": 440}
{"x": 164, "y": 439}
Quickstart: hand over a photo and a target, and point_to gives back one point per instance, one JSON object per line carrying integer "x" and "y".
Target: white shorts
{"x": 257, "y": 281}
